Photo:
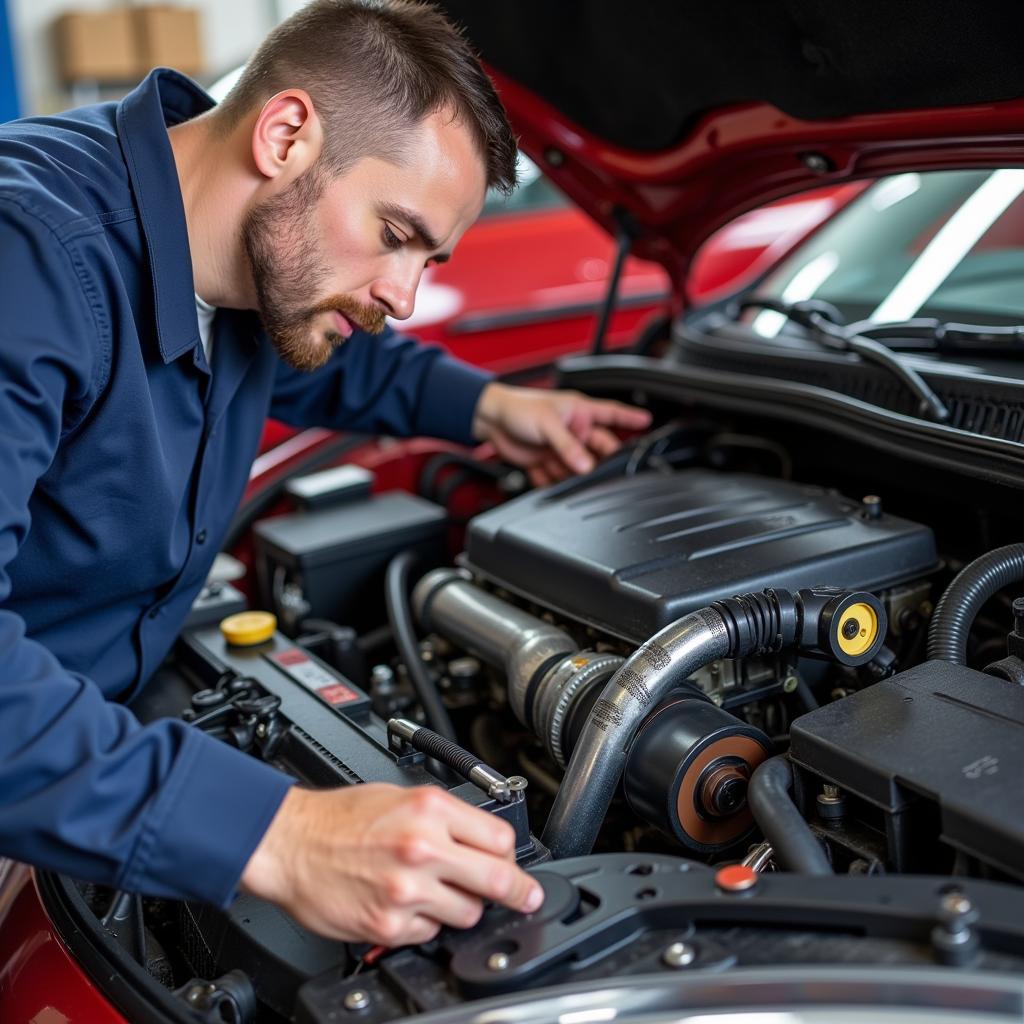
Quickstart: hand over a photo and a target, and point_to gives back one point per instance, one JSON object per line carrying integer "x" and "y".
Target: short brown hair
{"x": 373, "y": 68}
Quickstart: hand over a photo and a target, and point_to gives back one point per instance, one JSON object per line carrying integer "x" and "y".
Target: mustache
{"x": 371, "y": 319}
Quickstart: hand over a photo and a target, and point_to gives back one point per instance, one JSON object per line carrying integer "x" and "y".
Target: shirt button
{"x": 201, "y": 537}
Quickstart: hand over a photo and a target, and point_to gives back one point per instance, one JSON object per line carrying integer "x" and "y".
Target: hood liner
{"x": 640, "y": 75}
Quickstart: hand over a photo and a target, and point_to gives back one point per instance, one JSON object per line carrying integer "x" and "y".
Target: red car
{"x": 751, "y": 691}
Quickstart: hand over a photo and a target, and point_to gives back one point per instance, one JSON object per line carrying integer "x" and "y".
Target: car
{"x": 751, "y": 690}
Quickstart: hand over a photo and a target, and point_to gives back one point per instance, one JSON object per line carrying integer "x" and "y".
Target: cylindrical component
{"x": 494, "y": 630}
{"x": 796, "y": 847}
{"x": 687, "y": 773}
{"x": 468, "y": 765}
{"x": 964, "y": 597}
{"x": 632, "y": 693}
{"x": 396, "y": 591}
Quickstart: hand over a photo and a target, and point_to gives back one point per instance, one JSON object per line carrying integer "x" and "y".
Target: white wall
{"x": 232, "y": 29}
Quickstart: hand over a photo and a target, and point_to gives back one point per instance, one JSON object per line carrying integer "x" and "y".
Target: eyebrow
{"x": 415, "y": 221}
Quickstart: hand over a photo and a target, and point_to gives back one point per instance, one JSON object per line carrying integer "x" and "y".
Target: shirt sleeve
{"x": 383, "y": 384}
{"x": 85, "y": 789}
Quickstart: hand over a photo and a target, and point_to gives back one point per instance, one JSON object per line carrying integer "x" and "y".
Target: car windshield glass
{"x": 947, "y": 244}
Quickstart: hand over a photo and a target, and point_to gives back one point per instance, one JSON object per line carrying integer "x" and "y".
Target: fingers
{"x": 565, "y": 443}
{"x": 493, "y": 879}
{"x": 603, "y": 442}
{"x": 618, "y": 414}
{"x": 473, "y": 827}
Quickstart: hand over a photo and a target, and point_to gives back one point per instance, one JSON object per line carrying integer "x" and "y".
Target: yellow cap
{"x": 856, "y": 642}
{"x": 246, "y": 629}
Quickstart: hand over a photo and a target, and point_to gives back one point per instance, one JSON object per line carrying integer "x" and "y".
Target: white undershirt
{"x": 206, "y": 313}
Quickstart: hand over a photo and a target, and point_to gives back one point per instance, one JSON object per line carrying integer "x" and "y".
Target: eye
{"x": 391, "y": 240}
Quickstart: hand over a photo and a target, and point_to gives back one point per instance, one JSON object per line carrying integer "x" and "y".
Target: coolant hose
{"x": 795, "y": 846}
{"x": 964, "y": 597}
{"x": 396, "y": 591}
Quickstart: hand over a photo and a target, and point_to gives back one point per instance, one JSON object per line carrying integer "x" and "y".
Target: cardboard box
{"x": 98, "y": 46}
{"x": 168, "y": 36}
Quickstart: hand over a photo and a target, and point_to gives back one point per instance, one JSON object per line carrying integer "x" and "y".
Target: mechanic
{"x": 170, "y": 274}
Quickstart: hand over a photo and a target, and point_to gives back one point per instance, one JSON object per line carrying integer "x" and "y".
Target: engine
{"x": 558, "y": 588}
{"x": 702, "y": 698}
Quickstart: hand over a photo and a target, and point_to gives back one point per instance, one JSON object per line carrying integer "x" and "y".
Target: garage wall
{"x": 231, "y": 31}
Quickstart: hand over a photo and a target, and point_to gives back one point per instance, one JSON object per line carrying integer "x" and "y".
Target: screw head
{"x": 679, "y": 954}
{"x": 498, "y": 962}
{"x": 957, "y": 903}
{"x": 818, "y": 163}
{"x": 790, "y": 683}
{"x": 357, "y": 999}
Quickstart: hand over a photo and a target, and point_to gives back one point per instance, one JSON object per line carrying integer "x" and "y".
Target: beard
{"x": 279, "y": 237}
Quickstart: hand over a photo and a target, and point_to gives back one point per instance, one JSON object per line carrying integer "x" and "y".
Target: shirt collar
{"x": 163, "y": 98}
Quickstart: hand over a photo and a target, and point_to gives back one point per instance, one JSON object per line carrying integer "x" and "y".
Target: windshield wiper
{"x": 824, "y": 325}
{"x": 926, "y": 334}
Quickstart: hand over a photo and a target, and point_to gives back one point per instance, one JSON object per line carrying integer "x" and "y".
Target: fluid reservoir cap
{"x": 857, "y": 629}
{"x": 246, "y": 629}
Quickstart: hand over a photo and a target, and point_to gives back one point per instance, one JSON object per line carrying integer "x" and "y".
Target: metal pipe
{"x": 492, "y": 629}
{"x": 637, "y": 687}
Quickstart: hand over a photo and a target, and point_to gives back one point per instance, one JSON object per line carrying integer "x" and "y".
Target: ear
{"x": 287, "y": 138}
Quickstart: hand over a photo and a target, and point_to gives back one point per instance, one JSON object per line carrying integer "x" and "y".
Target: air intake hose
{"x": 964, "y": 597}
{"x": 822, "y": 622}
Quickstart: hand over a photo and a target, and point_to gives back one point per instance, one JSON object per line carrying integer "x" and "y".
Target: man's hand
{"x": 551, "y": 434}
{"x": 379, "y": 863}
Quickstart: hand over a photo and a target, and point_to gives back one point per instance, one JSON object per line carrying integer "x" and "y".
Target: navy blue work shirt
{"x": 122, "y": 460}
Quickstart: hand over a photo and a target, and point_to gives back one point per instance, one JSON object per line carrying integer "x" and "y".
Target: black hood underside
{"x": 640, "y": 74}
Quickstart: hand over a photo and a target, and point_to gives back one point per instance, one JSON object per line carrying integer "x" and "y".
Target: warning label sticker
{"x": 298, "y": 665}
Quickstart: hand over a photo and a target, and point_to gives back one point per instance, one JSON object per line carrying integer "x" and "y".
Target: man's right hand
{"x": 384, "y": 864}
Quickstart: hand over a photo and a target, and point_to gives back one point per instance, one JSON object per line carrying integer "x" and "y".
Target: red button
{"x": 735, "y": 878}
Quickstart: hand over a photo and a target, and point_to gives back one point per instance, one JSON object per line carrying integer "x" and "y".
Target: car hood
{"x": 666, "y": 120}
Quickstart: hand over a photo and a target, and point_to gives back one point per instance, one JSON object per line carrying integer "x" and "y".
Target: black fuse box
{"x": 939, "y": 742}
{"x": 334, "y": 559}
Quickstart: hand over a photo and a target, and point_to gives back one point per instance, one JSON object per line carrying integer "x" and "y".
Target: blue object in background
{"x": 9, "y": 106}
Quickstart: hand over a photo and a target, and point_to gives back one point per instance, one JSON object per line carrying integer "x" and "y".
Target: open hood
{"x": 668, "y": 119}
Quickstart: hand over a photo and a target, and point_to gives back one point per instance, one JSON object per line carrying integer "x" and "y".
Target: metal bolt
{"x": 261, "y": 730}
{"x": 957, "y": 903}
{"x": 818, "y": 163}
{"x": 872, "y": 505}
{"x": 790, "y": 683}
{"x": 679, "y": 954}
{"x": 830, "y": 792}
{"x": 357, "y": 999}
{"x": 498, "y": 962}
{"x": 851, "y": 627}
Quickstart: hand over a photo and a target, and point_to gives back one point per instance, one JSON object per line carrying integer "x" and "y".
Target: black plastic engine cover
{"x": 632, "y": 554}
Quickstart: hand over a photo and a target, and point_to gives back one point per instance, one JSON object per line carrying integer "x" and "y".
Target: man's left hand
{"x": 551, "y": 434}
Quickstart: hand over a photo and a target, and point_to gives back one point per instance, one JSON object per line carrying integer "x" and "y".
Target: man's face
{"x": 332, "y": 256}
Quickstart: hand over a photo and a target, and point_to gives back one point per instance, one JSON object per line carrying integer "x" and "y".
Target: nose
{"x": 396, "y": 291}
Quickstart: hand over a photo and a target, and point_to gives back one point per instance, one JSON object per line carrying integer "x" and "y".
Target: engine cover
{"x": 631, "y": 555}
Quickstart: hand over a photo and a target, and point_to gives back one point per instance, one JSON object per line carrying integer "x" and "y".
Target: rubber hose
{"x": 964, "y": 597}
{"x": 396, "y": 597}
{"x": 795, "y": 845}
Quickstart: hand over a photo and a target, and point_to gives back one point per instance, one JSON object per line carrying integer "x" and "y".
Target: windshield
{"x": 947, "y": 244}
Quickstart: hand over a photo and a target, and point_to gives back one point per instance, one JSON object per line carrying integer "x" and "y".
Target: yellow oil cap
{"x": 246, "y": 629}
{"x": 858, "y": 627}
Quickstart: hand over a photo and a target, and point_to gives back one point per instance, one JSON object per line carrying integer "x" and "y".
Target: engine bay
{"x": 718, "y": 705}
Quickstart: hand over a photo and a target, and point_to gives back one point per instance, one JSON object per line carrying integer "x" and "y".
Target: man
{"x": 169, "y": 274}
